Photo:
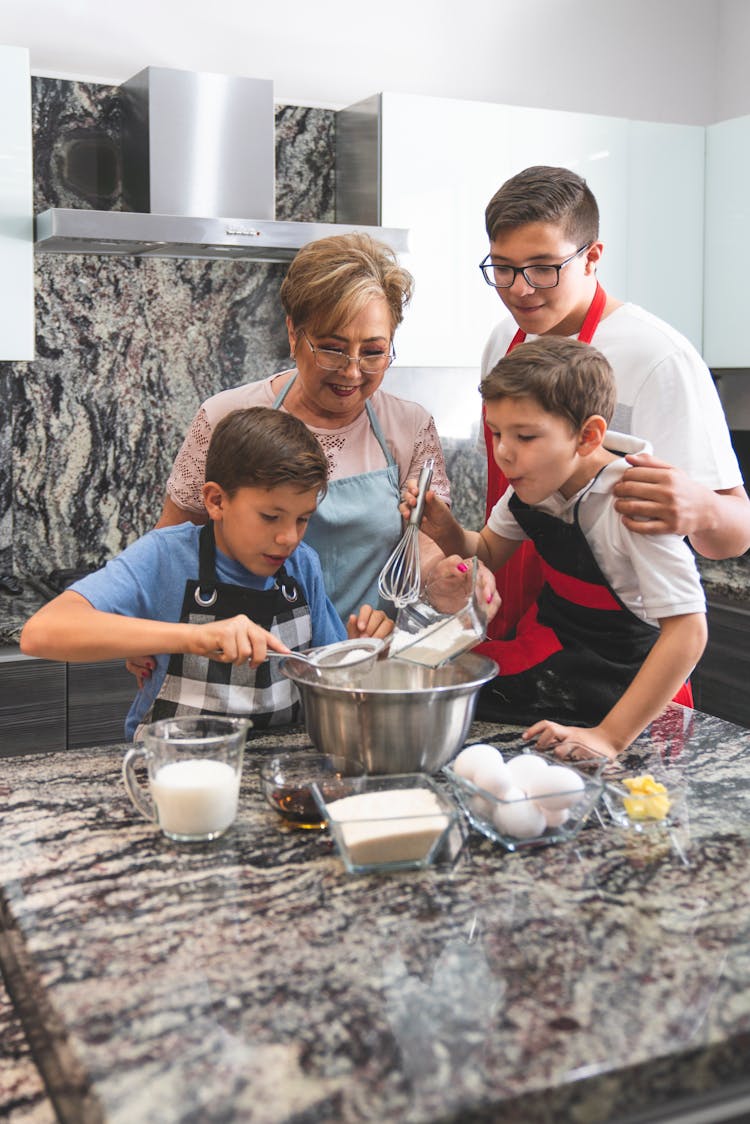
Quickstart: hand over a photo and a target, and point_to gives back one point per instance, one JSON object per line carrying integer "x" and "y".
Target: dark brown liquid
{"x": 297, "y": 804}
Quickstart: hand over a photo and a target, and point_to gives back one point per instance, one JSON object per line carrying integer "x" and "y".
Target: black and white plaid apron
{"x": 199, "y": 685}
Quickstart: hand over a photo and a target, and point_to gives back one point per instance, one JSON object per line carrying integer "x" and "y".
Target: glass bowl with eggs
{"x": 521, "y": 798}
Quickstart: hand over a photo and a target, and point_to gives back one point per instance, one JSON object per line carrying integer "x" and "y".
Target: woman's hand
{"x": 570, "y": 743}
{"x": 447, "y": 587}
{"x": 237, "y": 641}
{"x": 141, "y": 667}
{"x": 369, "y": 622}
{"x": 437, "y": 521}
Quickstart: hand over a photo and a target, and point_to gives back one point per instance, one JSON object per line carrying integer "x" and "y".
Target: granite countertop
{"x": 23, "y": 1098}
{"x": 727, "y": 580}
{"x": 253, "y": 979}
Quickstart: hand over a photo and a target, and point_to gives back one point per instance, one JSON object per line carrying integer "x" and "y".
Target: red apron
{"x": 520, "y": 581}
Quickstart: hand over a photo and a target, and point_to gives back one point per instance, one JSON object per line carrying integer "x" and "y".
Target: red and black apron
{"x": 578, "y": 648}
{"x": 199, "y": 685}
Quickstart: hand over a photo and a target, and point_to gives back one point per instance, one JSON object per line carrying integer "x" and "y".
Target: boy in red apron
{"x": 619, "y": 622}
{"x": 210, "y": 601}
{"x": 543, "y": 227}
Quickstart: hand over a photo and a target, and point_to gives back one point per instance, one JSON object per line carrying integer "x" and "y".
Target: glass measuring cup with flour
{"x": 426, "y": 636}
{"x": 194, "y": 766}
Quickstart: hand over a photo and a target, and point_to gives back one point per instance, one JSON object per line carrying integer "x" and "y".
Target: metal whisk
{"x": 400, "y": 578}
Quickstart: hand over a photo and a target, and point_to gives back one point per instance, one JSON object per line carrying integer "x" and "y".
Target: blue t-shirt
{"x": 148, "y": 580}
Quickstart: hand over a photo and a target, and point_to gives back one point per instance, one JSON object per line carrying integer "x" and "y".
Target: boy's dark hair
{"x": 544, "y": 194}
{"x": 565, "y": 377}
{"x": 264, "y": 448}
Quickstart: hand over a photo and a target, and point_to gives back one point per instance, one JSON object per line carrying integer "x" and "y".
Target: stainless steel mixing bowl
{"x": 398, "y": 718}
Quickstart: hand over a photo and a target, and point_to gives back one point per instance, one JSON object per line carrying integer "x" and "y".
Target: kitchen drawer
{"x": 32, "y": 705}
{"x": 721, "y": 678}
{"x": 99, "y": 697}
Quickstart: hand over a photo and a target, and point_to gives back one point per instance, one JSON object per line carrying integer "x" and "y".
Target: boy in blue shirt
{"x": 210, "y": 601}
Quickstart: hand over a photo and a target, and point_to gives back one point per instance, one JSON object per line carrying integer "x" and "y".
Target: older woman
{"x": 343, "y": 297}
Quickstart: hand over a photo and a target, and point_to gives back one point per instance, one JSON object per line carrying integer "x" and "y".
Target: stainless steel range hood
{"x": 63, "y": 230}
{"x": 194, "y": 147}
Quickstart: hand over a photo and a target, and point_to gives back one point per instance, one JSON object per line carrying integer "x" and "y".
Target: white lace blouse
{"x": 409, "y": 431}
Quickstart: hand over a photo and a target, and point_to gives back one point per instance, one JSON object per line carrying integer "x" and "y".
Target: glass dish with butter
{"x": 390, "y": 823}
{"x": 648, "y": 796}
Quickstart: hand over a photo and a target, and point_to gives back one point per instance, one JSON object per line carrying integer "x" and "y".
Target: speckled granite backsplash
{"x": 127, "y": 348}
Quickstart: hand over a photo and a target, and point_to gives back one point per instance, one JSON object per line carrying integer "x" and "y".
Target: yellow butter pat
{"x": 649, "y": 799}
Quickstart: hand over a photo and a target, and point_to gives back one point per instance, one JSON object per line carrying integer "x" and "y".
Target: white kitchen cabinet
{"x": 441, "y": 161}
{"x": 16, "y": 202}
{"x": 726, "y": 337}
{"x": 438, "y": 161}
{"x": 665, "y": 238}
{"x": 596, "y": 148}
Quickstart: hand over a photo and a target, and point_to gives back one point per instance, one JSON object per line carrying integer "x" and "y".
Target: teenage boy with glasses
{"x": 543, "y": 227}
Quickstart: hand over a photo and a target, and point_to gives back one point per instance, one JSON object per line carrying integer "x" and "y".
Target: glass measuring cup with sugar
{"x": 426, "y": 636}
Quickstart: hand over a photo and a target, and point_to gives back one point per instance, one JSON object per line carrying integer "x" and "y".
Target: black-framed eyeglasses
{"x": 372, "y": 363}
{"x": 537, "y": 276}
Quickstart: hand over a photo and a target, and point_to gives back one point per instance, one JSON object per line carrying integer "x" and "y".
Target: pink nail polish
{"x": 462, "y": 567}
{"x": 489, "y": 599}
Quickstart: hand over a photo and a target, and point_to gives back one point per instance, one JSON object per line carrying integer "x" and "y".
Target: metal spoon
{"x": 342, "y": 656}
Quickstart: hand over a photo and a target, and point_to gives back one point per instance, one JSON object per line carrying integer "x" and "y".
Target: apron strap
{"x": 378, "y": 432}
{"x": 593, "y": 316}
{"x": 205, "y": 592}
{"x": 283, "y": 393}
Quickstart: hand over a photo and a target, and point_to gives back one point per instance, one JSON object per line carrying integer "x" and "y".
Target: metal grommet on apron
{"x": 199, "y": 685}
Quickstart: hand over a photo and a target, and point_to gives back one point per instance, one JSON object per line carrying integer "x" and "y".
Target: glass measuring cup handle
{"x": 138, "y": 794}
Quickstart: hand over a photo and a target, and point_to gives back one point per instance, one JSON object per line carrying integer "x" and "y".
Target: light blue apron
{"x": 356, "y": 527}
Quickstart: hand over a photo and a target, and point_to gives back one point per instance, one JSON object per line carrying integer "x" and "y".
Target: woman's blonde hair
{"x": 331, "y": 280}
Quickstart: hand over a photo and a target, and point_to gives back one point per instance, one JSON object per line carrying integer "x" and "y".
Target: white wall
{"x": 732, "y": 71}
{"x": 660, "y": 60}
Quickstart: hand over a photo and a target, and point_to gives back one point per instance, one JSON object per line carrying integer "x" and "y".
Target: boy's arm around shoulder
{"x": 654, "y": 497}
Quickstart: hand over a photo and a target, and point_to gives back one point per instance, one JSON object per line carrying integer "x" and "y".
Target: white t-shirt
{"x": 654, "y": 575}
{"x": 665, "y": 392}
{"x": 409, "y": 431}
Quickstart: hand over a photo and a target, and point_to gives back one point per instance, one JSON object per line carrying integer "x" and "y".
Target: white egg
{"x": 525, "y": 767}
{"x": 469, "y": 759}
{"x": 493, "y": 777}
{"x": 557, "y": 818}
{"x": 558, "y": 788}
{"x": 519, "y": 817}
{"x": 481, "y": 808}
